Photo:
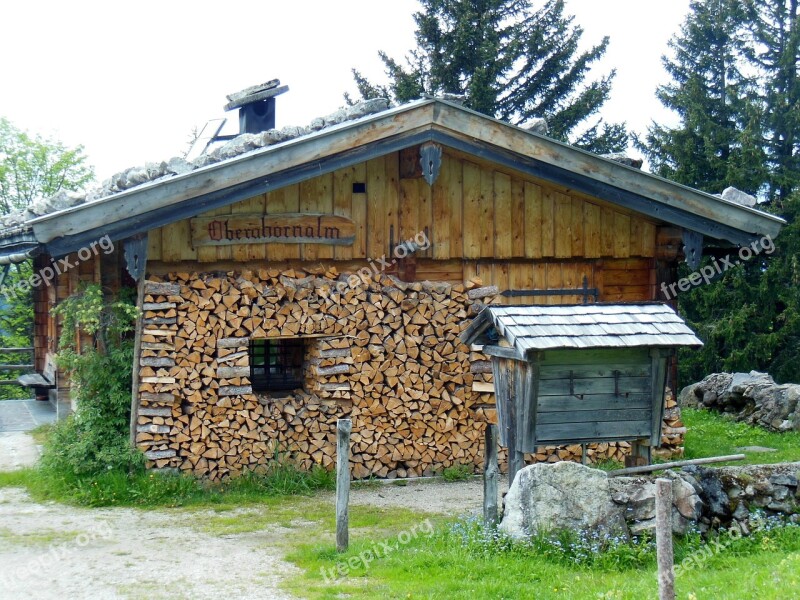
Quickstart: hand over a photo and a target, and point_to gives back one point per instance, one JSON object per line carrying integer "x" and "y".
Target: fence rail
{"x": 15, "y": 367}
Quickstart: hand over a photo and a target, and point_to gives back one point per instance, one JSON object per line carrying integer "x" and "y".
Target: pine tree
{"x": 734, "y": 86}
{"x": 510, "y": 62}
{"x": 774, "y": 51}
{"x": 718, "y": 141}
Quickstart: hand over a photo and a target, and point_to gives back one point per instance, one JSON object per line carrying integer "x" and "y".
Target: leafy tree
{"x": 510, "y": 61}
{"x": 718, "y": 141}
{"x": 32, "y": 167}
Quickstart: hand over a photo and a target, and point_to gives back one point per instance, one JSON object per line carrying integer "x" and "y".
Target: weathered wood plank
{"x": 577, "y": 227}
{"x": 425, "y": 213}
{"x": 245, "y": 252}
{"x": 343, "y": 206}
{"x": 472, "y": 210}
{"x": 408, "y": 210}
{"x": 533, "y": 220}
{"x": 377, "y": 240}
{"x": 622, "y": 235}
{"x": 454, "y": 180}
{"x": 563, "y": 232}
{"x": 503, "y": 216}
{"x": 593, "y": 247}
{"x": 594, "y": 385}
{"x": 594, "y": 370}
{"x": 593, "y": 402}
{"x": 548, "y": 226}
{"x": 391, "y": 189}
{"x": 558, "y": 433}
{"x": 360, "y": 212}
{"x": 440, "y": 198}
{"x": 487, "y": 212}
{"x": 282, "y": 201}
{"x": 585, "y": 416}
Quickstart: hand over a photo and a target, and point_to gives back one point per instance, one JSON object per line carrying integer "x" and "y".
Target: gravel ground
{"x": 53, "y": 551}
{"x": 17, "y": 450}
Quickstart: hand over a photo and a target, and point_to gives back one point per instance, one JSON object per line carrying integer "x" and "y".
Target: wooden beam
{"x": 676, "y": 465}
{"x": 140, "y": 269}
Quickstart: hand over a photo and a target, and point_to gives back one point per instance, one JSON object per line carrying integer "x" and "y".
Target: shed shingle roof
{"x": 531, "y": 328}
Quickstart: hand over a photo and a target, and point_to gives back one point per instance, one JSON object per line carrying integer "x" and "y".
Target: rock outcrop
{"x": 547, "y": 497}
{"x": 753, "y": 398}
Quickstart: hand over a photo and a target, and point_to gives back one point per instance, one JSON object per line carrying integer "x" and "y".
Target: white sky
{"x": 129, "y": 80}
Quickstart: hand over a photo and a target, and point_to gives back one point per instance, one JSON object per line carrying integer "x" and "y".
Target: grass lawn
{"x": 445, "y": 565}
{"x": 404, "y": 554}
{"x": 713, "y": 434}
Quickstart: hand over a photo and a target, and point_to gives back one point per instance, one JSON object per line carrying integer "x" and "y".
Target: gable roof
{"x": 174, "y": 197}
{"x": 534, "y": 328}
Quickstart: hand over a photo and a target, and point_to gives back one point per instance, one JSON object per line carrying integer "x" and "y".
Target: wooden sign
{"x": 290, "y": 228}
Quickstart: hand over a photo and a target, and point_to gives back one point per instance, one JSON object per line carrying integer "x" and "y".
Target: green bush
{"x": 458, "y": 472}
{"x": 96, "y": 437}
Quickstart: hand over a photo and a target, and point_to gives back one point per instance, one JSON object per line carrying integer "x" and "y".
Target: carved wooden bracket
{"x": 430, "y": 157}
{"x": 135, "y": 249}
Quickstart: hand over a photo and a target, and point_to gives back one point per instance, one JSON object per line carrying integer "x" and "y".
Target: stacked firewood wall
{"x": 381, "y": 351}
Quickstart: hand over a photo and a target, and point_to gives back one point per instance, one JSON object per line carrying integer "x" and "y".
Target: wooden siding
{"x": 473, "y": 211}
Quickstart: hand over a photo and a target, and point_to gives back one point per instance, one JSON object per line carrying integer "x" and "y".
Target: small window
{"x": 276, "y": 365}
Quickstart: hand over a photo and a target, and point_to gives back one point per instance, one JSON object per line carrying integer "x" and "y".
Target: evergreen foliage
{"x": 30, "y": 167}
{"x": 511, "y": 62}
{"x": 736, "y": 89}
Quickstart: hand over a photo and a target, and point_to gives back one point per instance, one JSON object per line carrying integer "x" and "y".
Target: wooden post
{"x": 664, "y": 556}
{"x": 343, "y": 429}
{"x": 135, "y": 251}
{"x": 516, "y": 459}
{"x": 640, "y": 454}
{"x": 490, "y": 475}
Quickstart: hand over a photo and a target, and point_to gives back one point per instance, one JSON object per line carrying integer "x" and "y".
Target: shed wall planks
{"x": 474, "y": 210}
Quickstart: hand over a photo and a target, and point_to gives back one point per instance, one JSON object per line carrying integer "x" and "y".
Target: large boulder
{"x": 752, "y": 397}
{"x": 563, "y": 495}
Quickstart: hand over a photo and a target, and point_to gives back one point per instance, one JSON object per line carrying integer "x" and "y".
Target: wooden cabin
{"x": 300, "y": 275}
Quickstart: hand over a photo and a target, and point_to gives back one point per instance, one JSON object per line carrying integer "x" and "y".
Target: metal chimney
{"x": 256, "y": 106}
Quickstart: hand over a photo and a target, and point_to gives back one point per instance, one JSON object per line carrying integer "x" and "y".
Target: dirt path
{"x": 17, "y": 450}
{"x": 52, "y": 551}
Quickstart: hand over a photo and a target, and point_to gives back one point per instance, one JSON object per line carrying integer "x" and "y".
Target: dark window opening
{"x": 359, "y": 188}
{"x": 276, "y": 365}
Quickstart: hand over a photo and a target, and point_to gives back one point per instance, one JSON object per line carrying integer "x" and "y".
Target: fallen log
{"x": 673, "y": 465}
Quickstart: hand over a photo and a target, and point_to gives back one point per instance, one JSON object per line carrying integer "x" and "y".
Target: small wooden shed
{"x": 579, "y": 373}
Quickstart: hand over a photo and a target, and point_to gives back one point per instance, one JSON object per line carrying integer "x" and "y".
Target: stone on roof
{"x": 738, "y": 196}
{"x": 156, "y": 171}
{"x": 532, "y": 328}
